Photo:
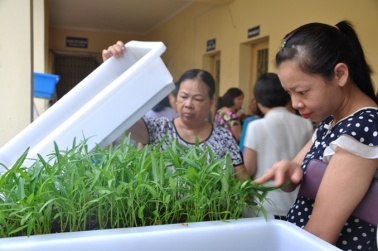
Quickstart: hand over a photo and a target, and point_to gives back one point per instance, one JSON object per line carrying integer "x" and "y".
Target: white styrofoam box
{"x": 244, "y": 234}
{"x": 102, "y": 106}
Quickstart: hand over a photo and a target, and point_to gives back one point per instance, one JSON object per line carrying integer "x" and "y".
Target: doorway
{"x": 212, "y": 63}
{"x": 254, "y": 61}
{"x": 72, "y": 69}
{"x": 259, "y": 56}
{"x": 215, "y": 71}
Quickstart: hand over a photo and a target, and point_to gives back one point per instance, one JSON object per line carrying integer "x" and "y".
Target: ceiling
{"x": 125, "y": 16}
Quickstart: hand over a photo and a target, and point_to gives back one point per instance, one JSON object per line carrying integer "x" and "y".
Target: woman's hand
{"x": 285, "y": 170}
{"x": 281, "y": 172}
{"x": 115, "y": 50}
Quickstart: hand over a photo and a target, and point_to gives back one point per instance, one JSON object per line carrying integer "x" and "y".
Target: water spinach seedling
{"x": 119, "y": 187}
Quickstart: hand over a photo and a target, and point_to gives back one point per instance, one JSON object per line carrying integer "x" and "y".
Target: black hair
{"x": 319, "y": 47}
{"x": 162, "y": 104}
{"x": 257, "y": 112}
{"x": 228, "y": 98}
{"x": 203, "y": 75}
{"x": 269, "y": 92}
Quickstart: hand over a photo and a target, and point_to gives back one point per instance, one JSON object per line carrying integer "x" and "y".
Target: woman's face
{"x": 253, "y": 106}
{"x": 238, "y": 102}
{"x": 193, "y": 101}
{"x": 311, "y": 95}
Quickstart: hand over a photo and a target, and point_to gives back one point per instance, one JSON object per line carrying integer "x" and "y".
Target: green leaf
{"x": 140, "y": 212}
{"x": 30, "y": 199}
{"x": 150, "y": 189}
{"x": 31, "y": 226}
{"x": 19, "y": 229}
{"x": 48, "y": 203}
{"x": 21, "y": 188}
{"x": 25, "y": 218}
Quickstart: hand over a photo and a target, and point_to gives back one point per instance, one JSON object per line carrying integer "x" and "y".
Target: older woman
{"x": 194, "y": 97}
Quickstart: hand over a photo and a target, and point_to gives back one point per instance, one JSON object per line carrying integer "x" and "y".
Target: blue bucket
{"x": 44, "y": 85}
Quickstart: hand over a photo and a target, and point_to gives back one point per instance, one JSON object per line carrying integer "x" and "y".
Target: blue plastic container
{"x": 44, "y": 85}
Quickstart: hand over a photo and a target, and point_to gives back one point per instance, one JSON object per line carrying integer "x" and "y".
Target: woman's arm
{"x": 250, "y": 160}
{"x": 139, "y": 132}
{"x": 345, "y": 182}
{"x": 240, "y": 172}
{"x": 236, "y": 131}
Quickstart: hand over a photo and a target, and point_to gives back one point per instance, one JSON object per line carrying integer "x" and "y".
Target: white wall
{"x": 40, "y": 44}
{"x": 16, "y": 67}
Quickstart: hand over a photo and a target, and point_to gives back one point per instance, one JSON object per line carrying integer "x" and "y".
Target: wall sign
{"x": 211, "y": 44}
{"x": 77, "y": 42}
{"x": 254, "y": 31}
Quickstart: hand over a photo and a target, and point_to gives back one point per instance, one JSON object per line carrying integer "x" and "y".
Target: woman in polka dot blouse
{"x": 323, "y": 68}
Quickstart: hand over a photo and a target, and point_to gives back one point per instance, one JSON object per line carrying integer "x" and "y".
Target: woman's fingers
{"x": 115, "y": 50}
{"x": 106, "y": 55}
{"x": 282, "y": 172}
{"x": 297, "y": 174}
{"x": 269, "y": 175}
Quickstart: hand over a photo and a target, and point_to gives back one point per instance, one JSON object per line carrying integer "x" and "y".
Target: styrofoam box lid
{"x": 255, "y": 234}
{"x": 101, "y": 107}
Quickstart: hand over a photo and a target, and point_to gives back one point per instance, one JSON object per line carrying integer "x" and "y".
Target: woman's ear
{"x": 341, "y": 74}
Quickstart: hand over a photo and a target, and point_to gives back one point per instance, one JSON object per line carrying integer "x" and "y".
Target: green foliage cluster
{"x": 119, "y": 187}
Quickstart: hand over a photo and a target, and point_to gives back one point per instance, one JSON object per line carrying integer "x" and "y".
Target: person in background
{"x": 279, "y": 135}
{"x": 323, "y": 68}
{"x": 255, "y": 114}
{"x": 163, "y": 109}
{"x": 227, "y": 111}
{"x": 194, "y": 97}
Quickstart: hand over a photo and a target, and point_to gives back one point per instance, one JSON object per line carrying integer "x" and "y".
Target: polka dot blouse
{"x": 356, "y": 133}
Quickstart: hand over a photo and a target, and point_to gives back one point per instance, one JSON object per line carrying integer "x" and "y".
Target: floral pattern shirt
{"x": 220, "y": 140}
{"x": 226, "y": 119}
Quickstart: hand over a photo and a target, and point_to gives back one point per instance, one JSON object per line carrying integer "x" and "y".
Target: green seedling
{"x": 121, "y": 187}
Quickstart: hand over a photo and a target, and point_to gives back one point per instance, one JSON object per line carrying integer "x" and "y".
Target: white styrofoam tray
{"x": 101, "y": 107}
{"x": 244, "y": 234}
